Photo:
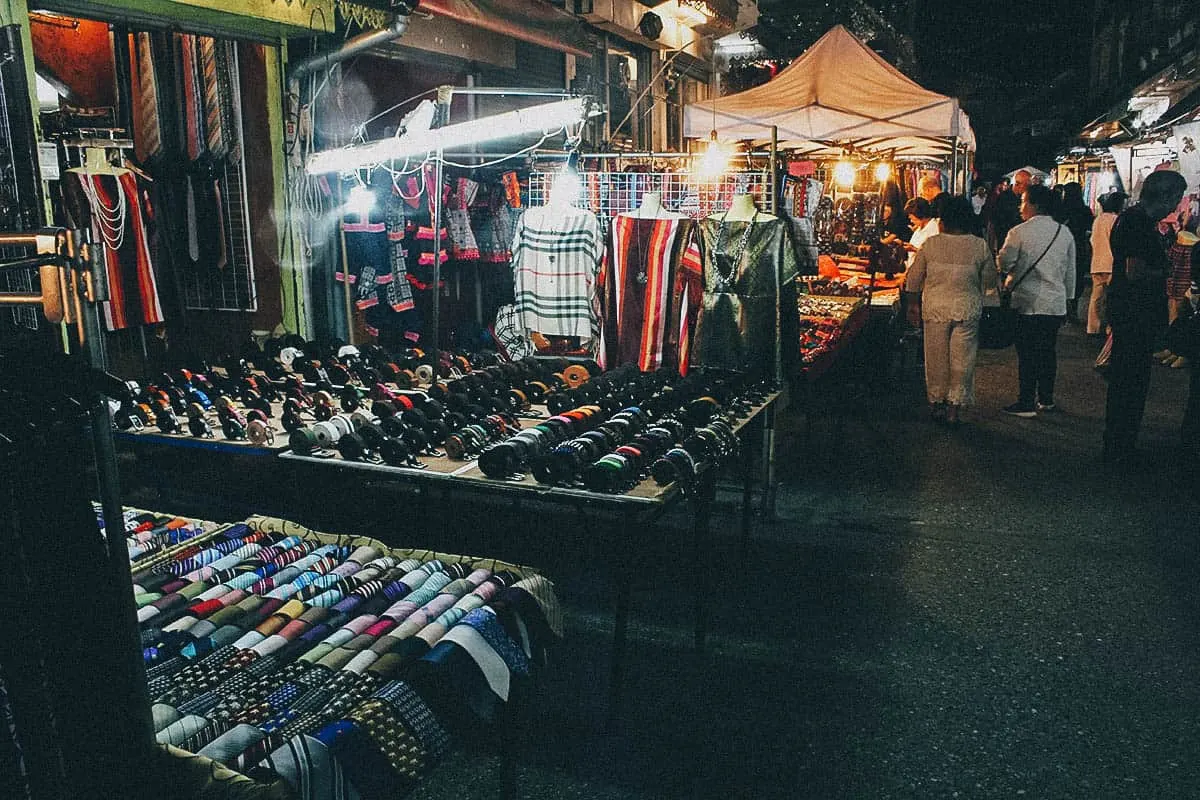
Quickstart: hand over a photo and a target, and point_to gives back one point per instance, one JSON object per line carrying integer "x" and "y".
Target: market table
{"x": 173, "y": 675}
{"x": 629, "y": 514}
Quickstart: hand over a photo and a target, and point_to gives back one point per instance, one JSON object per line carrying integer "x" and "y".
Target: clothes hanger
{"x": 95, "y": 162}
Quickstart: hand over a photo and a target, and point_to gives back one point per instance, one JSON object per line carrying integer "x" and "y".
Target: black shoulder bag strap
{"x": 1033, "y": 266}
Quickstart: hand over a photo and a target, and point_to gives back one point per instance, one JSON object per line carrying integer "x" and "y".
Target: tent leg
{"x": 774, "y": 165}
{"x": 954, "y": 167}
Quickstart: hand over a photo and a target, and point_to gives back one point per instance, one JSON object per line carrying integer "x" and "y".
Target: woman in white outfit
{"x": 951, "y": 272}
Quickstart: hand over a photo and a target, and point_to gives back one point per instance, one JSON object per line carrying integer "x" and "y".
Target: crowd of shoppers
{"x": 1042, "y": 247}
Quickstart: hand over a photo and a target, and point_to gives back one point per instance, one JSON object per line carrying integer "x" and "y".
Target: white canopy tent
{"x": 1033, "y": 171}
{"x": 840, "y": 94}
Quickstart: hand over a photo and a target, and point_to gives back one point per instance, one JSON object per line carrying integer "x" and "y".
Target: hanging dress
{"x": 647, "y": 316}
{"x": 747, "y": 320}
{"x": 119, "y": 225}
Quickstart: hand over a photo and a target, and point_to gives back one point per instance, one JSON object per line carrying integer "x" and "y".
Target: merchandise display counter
{"x": 323, "y": 664}
{"x": 625, "y": 516}
{"x": 828, "y": 326}
{"x": 321, "y": 479}
{"x": 274, "y": 441}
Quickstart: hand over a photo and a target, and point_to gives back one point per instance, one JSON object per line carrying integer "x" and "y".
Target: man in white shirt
{"x": 1038, "y": 258}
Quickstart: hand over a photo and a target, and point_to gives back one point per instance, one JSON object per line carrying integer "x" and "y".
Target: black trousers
{"x": 1128, "y": 383}
{"x": 1036, "y": 336}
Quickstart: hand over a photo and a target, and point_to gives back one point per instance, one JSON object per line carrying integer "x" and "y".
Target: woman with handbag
{"x": 951, "y": 272}
{"x": 1038, "y": 260}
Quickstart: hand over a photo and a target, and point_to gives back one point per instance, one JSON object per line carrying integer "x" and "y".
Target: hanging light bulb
{"x": 843, "y": 174}
{"x": 715, "y": 159}
{"x": 883, "y": 171}
{"x": 567, "y": 183}
{"x": 360, "y": 201}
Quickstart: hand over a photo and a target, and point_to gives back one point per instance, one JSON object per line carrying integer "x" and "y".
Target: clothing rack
{"x": 608, "y": 194}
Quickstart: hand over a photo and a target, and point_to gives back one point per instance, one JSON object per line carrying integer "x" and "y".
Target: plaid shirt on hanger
{"x": 556, "y": 259}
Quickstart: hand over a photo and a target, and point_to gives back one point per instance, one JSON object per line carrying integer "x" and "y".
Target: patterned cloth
{"x": 463, "y": 245}
{"x": 132, "y": 286}
{"x": 743, "y": 328}
{"x": 313, "y": 688}
{"x": 647, "y": 318}
{"x": 513, "y": 340}
{"x": 556, "y": 260}
{"x": 1182, "y": 255}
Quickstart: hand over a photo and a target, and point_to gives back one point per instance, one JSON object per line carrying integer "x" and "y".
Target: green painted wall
{"x": 263, "y": 19}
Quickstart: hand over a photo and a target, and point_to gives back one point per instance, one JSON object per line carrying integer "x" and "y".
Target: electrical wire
{"x": 650, "y": 87}
{"x": 517, "y": 154}
{"x": 390, "y": 109}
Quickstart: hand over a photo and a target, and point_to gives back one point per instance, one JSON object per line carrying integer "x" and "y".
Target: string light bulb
{"x": 567, "y": 184}
{"x": 714, "y": 160}
{"x": 843, "y": 174}
{"x": 360, "y": 201}
{"x": 883, "y": 171}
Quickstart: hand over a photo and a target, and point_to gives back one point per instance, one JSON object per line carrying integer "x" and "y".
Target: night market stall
{"x": 858, "y": 136}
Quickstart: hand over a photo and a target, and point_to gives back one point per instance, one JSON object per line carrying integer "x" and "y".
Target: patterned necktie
{"x": 146, "y": 125}
{"x": 214, "y": 131}
{"x": 193, "y": 124}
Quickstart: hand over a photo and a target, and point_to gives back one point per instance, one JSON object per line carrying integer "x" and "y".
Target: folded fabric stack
{"x": 147, "y": 533}
{"x": 340, "y": 665}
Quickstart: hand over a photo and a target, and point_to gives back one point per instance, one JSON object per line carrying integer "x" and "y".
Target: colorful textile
{"x": 314, "y": 689}
{"x": 132, "y": 287}
{"x": 1181, "y": 254}
{"x": 556, "y": 261}
{"x": 647, "y": 318}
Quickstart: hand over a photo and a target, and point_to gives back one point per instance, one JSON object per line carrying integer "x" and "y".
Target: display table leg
{"x": 623, "y": 578}
{"x": 706, "y": 490}
{"x": 747, "y": 497}
{"x": 769, "y": 477}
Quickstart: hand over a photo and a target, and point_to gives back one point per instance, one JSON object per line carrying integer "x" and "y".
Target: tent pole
{"x": 347, "y": 290}
{"x": 774, "y": 163}
{"x": 954, "y": 167}
{"x": 435, "y": 211}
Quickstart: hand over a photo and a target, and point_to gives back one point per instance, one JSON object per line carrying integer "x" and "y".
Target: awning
{"x": 533, "y": 21}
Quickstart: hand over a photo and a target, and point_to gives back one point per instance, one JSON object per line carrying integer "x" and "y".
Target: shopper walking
{"x": 950, "y": 274}
{"x": 1007, "y": 214}
{"x": 1137, "y": 309}
{"x": 1038, "y": 258}
{"x": 1111, "y": 205}
{"x": 1075, "y": 214}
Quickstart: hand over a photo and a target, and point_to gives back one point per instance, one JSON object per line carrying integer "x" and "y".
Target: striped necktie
{"x": 193, "y": 124}
{"x": 146, "y": 126}
{"x": 213, "y": 123}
